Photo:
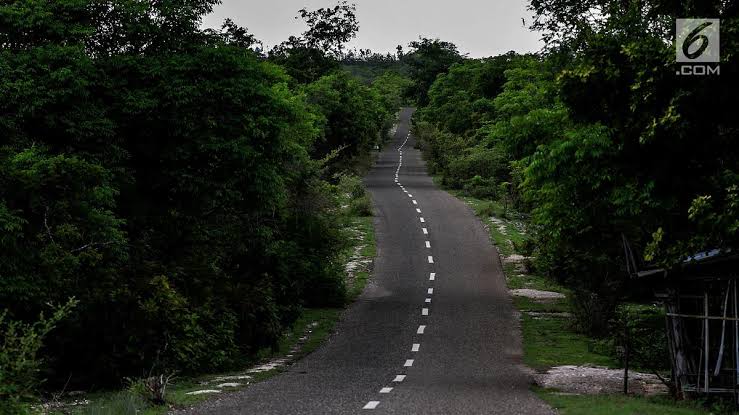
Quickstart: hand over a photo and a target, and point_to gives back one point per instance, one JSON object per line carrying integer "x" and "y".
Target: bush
{"x": 361, "y": 206}
{"x": 352, "y": 193}
{"x": 647, "y": 338}
{"x": 592, "y": 313}
{"x": 480, "y": 188}
{"x": 19, "y": 361}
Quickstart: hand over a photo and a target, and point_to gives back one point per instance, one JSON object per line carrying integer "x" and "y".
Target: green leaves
{"x": 19, "y": 357}
{"x": 353, "y": 118}
{"x": 166, "y": 177}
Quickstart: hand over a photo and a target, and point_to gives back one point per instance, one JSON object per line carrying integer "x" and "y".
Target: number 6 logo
{"x": 697, "y": 40}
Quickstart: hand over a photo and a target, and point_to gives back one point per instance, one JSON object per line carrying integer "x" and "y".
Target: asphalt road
{"x": 435, "y": 322}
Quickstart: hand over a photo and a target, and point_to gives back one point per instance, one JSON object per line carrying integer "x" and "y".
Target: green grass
{"x": 123, "y": 402}
{"x": 552, "y": 306}
{"x": 616, "y": 405}
{"x": 517, "y": 280}
{"x": 549, "y": 342}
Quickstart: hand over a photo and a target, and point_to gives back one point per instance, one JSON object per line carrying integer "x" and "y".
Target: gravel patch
{"x": 537, "y": 294}
{"x": 584, "y": 380}
{"x": 203, "y": 392}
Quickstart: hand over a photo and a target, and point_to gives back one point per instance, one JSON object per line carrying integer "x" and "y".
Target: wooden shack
{"x": 701, "y": 301}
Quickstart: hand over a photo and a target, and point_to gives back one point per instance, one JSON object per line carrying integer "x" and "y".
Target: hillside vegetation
{"x": 172, "y": 196}
{"x": 594, "y": 139}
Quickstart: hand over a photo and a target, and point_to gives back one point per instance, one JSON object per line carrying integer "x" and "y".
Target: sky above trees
{"x": 479, "y": 27}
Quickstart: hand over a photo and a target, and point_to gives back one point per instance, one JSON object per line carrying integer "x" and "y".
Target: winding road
{"x": 434, "y": 331}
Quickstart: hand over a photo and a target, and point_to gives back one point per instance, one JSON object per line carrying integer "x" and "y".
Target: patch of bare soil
{"x": 584, "y": 380}
{"x": 537, "y": 294}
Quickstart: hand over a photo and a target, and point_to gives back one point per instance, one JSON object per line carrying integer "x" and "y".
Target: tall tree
{"x": 317, "y": 52}
{"x": 426, "y": 60}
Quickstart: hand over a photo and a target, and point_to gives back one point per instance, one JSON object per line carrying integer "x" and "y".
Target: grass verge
{"x": 548, "y": 337}
{"x": 616, "y": 405}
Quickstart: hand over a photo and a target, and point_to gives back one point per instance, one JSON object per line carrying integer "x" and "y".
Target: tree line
{"x": 170, "y": 196}
{"x": 596, "y": 139}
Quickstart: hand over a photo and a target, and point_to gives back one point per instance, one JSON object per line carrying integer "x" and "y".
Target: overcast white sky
{"x": 478, "y": 27}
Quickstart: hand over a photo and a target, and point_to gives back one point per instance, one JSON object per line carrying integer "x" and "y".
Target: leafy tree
{"x": 391, "y": 87}
{"x": 329, "y": 29}
{"x": 162, "y": 175}
{"x": 20, "y": 362}
{"x": 460, "y": 101}
{"x": 352, "y": 117}
{"x": 235, "y": 35}
{"x": 427, "y": 59}
{"x": 603, "y": 140}
{"x": 316, "y": 53}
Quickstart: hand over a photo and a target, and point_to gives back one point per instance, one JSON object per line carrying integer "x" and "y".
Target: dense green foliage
{"x": 427, "y": 59}
{"x": 179, "y": 185}
{"x": 19, "y": 359}
{"x": 596, "y": 138}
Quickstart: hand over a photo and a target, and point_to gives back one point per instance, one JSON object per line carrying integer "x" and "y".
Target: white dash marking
{"x": 415, "y": 203}
{"x": 408, "y": 363}
{"x": 425, "y": 231}
{"x": 428, "y": 244}
{"x": 432, "y": 277}
{"x": 424, "y": 311}
{"x": 428, "y": 300}
{"x": 421, "y": 329}
{"x": 399, "y": 378}
{"x": 410, "y": 195}
{"x": 418, "y": 210}
{"x": 423, "y": 220}
{"x": 431, "y": 291}
{"x": 371, "y": 405}
{"x": 431, "y": 259}
{"x": 415, "y": 347}
{"x": 386, "y": 390}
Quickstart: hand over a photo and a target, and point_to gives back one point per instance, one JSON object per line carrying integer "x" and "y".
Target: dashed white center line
{"x": 386, "y": 390}
{"x": 371, "y": 405}
{"x": 424, "y": 311}
{"x": 399, "y": 378}
{"x": 428, "y": 300}
{"x": 431, "y": 259}
{"x": 418, "y": 210}
{"x": 421, "y": 329}
{"x": 415, "y": 347}
{"x": 431, "y": 291}
{"x": 428, "y": 244}
{"x": 410, "y": 195}
{"x": 432, "y": 276}
{"x": 425, "y": 231}
{"x": 423, "y": 220}
{"x": 415, "y": 203}
{"x": 408, "y": 363}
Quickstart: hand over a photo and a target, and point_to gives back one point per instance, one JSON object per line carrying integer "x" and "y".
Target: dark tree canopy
{"x": 329, "y": 29}
{"x": 426, "y": 60}
{"x": 174, "y": 181}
